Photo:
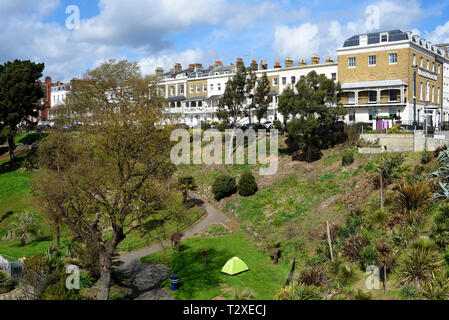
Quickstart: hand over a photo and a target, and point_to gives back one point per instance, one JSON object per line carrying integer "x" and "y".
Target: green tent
{"x": 234, "y": 266}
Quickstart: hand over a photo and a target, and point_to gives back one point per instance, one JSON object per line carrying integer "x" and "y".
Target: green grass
{"x": 200, "y": 282}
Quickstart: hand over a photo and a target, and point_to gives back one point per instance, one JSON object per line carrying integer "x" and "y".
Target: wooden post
{"x": 329, "y": 240}
{"x": 381, "y": 191}
{"x": 385, "y": 279}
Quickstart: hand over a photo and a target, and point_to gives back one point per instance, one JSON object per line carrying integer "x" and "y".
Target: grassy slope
{"x": 204, "y": 283}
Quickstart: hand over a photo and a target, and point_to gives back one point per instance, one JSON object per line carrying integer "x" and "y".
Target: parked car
{"x": 247, "y": 126}
{"x": 268, "y": 125}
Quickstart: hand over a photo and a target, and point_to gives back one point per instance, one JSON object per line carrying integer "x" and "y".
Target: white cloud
{"x": 440, "y": 34}
{"x": 296, "y": 42}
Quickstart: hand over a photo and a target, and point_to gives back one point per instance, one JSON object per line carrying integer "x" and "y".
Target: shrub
{"x": 440, "y": 228}
{"x": 409, "y": 292}
{"x": 369, "y": 256}
{"x": 437, "y": 289}
{"x": 314, "y": 276}
{"x": 413, "y": 197}
{"x": 353, "y": 246}
{"x": 347, "y": 158}
{"x": 223, "y": 187}
{"x": 247, "y": 184}
{"x": 222, "y": 126}
{"x": 298, "y": 292}
{"x": 419, "y": 268}
{"x": 426, "y": 157}
{"x": 388, "y": 165}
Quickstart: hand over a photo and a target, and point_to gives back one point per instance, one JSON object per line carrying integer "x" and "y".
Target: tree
{"x": 247, "y": 184}
{"x": 287, "y": 104}
{"x": 261, "y": 100}
{"x": 314, "y": 110}
{"x": 233, "y": 106}
{"x": 186, "y": 184}
{"x": 19, "y": 94}
{"x": 118, "y": 181}
{"x": 24, "y": 227}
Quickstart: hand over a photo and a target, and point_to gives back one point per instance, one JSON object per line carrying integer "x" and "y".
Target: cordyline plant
{"x": 113, "y": 178}
{"x": 442, "y": 174}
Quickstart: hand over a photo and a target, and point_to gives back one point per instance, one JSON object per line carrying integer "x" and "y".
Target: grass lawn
{"x": 200, "y": 282}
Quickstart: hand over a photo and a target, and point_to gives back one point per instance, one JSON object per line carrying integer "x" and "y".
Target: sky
{"x": 162, "y": 32}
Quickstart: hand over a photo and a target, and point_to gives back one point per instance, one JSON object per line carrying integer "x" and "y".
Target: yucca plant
{"x": 353, "y": 246}
{"x": 314, "y": 276}
{"x": 419, "y": 268}
{"x": 440, "y": 228}
{"x": 437, "y": 289}
{"x": 414, "y": 196}
{"x": 298, "y": 292}
{"x": 243, "y": 294}
{"x": 24, "y": 227}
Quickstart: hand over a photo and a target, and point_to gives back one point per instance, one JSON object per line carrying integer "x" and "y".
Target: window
{"x": 198, "y": 88}
{"x": 334, "y": 76}
{"x": 191, "y": 89}
{"x": 414, "y": 59}
{"x": 372, "y": 60}
{"x": 284, "y": 80}
{"x": 204, "y": 87}
{"x": 393, "y": 112}
{"x": 181, "y": 89}
{"x": 427, "y": 92}
{"x": 372, "y": 113}
{"x": 363, "y": 40}
{"x": 275, "y": 82}
{"x": 199, "y": 74}
{"x": 219, "y": 86}
{"x": 351, "y": 62}
{"x": 211, "y": 87}
{"x": 439, "y": 93}
{"x": 393, "y": 58}
{"x": 293, "y": 80}
{"x": 439, "y": 69}
{"x": 433, "y": 66}
{"x": 384, "y": 37}
{"x": 421, "y": 91}
{"x": 351, "y": 113}
{"x": 351, "y": 98}
{"x": 421, "y": 62}
{"x": 172, "y": 90}
{"x": 433, "y": 93}
{"x": 393, "y": 95}
{"x": 372, "y": 96}
{"x": 428, "y": 65}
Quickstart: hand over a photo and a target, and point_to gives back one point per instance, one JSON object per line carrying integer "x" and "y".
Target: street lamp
{"x": 414, "y": 96}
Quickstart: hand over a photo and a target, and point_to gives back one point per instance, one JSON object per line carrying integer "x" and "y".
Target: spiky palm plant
{"x": 24, "y": 227}
{"x": 414, "y": 196}
{"x": 298, "y": 292}
{"x": 437, "y": 289}
{"x": 314, "y": 276}
{"x": 419, "y": 268}
{"x": 353, "y": 246}
{"x": 440, "y": 228}
{"x": 243, "y": 294}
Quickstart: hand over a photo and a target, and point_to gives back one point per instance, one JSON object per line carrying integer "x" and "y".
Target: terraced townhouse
{"x": 376, "y": 72}
{"x": 193, "y": 94}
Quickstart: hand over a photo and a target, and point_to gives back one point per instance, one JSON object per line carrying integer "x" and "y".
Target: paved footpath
{"x": 145, "y": 278}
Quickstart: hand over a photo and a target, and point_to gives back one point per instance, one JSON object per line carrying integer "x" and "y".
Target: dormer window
{"x": 200, "y": 74}
{"x": 217, "y": 73}
{"x": 363, "y": 40}
{"x": 384, "y": 37}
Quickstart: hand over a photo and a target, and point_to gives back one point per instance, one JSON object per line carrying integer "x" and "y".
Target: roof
{"x": 272, "y": 93}
{"x": 373, "y": 38}
{"x": 215, "y": 97}
{"x": 176, "y": 98}
{"x": 196, "y": 99}
{"x": 373, "y": 84}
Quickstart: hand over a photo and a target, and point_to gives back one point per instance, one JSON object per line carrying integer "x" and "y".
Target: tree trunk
{"x": 105, "y": 274}
{"x": 58, "y": 237}
{"x": 24, "y": 241}
{"x": 276, "y": 257}
{"x": 231, "y": 142}
{"x": 12, "y": 147}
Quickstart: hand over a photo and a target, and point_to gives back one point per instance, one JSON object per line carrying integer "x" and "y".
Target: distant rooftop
{"x": 373, "y": 38}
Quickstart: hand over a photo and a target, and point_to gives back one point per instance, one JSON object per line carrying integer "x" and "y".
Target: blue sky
{"x": 162, "y": 32}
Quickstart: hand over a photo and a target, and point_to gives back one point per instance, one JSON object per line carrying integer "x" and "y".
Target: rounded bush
{"x": 347, "y": 159}
{"x": 223, "y": 187}
{"x": 247, "y": 184}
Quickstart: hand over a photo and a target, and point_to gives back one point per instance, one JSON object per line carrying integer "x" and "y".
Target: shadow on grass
{"x": 6, "y": 216}
{"x": 7, "y": 167}
{"x": 194, "y": 275}
{"x": 32, "y": 138}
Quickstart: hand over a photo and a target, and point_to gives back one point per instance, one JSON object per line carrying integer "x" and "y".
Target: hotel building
{"x": 376, "y": 72}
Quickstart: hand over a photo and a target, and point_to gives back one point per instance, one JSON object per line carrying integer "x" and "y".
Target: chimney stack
{"x": 159, "y": 71}
{"x": 263, "y": 65}
{"x": 172, "y": 70}
{"x": 288, "y": 62}
{"x": 191, "y": 67}
{"x": 315, "y": 59}
{"x": 329, "y": 60}
{"x": 218, "y": 64}
{"x": 254, "y": 65}
{"x": 302, "y": 62}
{"x": 178, "y": 67}
{"x": 240, "y": 63}
{"x": 277, "y": 65}
{"x": 198, "y": 66}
